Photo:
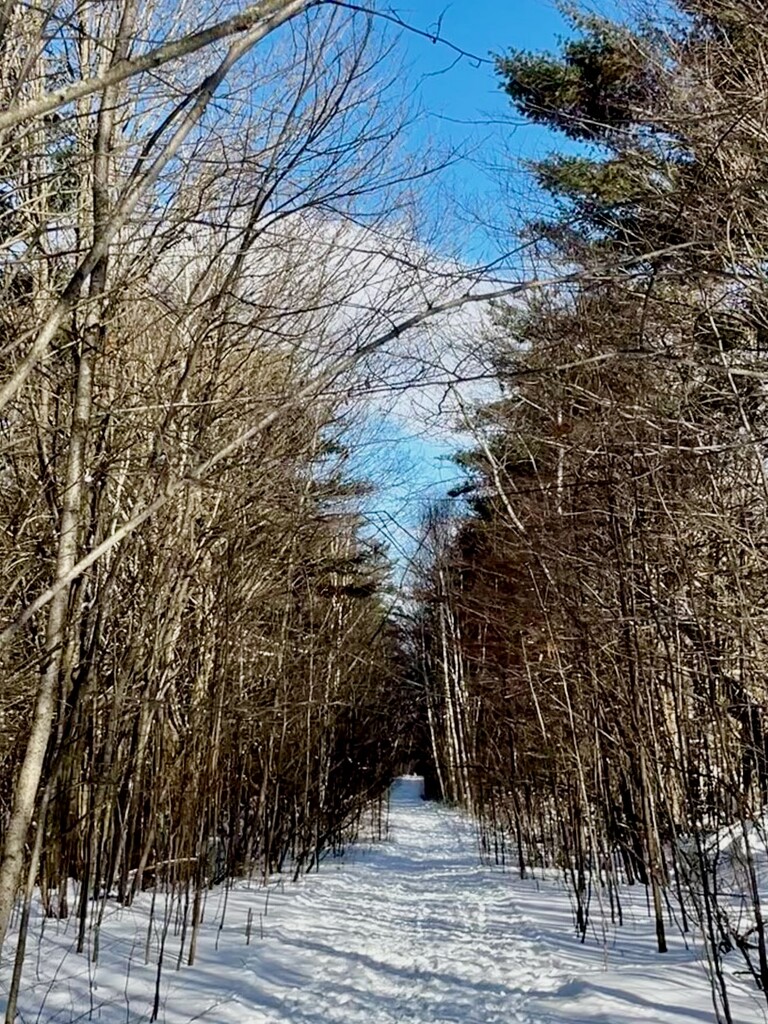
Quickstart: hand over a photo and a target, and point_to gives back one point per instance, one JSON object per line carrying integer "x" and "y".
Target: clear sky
{"x": 462, "y": 89}
{"x": 464, "y": 107}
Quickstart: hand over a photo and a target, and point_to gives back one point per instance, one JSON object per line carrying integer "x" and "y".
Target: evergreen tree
{"x": 594, "y": 652}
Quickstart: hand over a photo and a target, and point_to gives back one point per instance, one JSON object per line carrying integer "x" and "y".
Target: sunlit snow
{"x": 412, "y": 930}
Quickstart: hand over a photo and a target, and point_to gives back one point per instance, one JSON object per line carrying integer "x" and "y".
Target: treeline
{"x": 200, "y": 678}
{"x": 592, "y": 628}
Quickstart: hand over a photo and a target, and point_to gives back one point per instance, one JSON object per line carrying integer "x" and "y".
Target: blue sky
{"x": 462, "y": 106}
{"x": 462, "y": 90}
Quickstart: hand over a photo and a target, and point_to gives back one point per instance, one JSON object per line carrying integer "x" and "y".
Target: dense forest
{"x": 592, "y": 630}
{"x": 210, "y": 233}
{"x": 200, "y": 677}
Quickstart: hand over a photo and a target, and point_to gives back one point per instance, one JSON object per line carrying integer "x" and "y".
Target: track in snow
{"x": 414, "y": 930}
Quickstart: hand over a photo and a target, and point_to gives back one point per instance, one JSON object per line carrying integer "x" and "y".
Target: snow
{"x": 412, "y": 930}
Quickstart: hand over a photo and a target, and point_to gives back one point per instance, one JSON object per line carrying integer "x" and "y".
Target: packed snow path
{"x": 414, "y": 930}
{"x": 421, "y": 936}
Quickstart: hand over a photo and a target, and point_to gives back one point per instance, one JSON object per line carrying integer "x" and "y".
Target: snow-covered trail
{"x": 414, "y": 930}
